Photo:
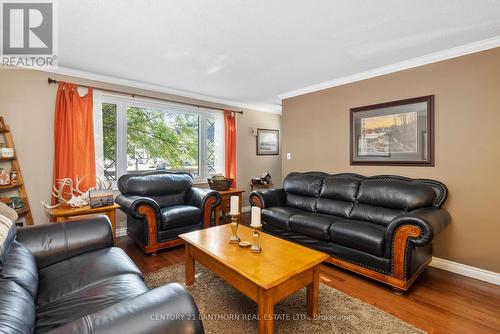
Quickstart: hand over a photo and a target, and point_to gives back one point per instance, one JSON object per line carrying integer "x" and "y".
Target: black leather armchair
{"x": 161, "y": 205}
{"x": 379, "y": 226}
{"x": 68, "y": 278}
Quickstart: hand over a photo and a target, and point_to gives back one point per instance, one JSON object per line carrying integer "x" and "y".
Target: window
{"x": 109, "y": 140}
{"x": 137, "y": 135}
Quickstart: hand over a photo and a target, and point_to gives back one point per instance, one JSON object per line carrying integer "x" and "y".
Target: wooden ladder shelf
{"x": 19, "y": 186}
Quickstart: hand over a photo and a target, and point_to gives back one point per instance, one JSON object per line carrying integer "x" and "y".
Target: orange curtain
{"x": 230, "y": 144}
{"x": 74, "y": 152}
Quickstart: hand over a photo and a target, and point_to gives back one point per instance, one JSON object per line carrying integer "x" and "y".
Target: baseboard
{"x": 121, "y": 232}
{"x": 465, "y": 270}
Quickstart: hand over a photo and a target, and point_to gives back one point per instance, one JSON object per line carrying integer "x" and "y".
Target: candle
{"x": 255, "y": 220}
{"x": 234, "y": 209}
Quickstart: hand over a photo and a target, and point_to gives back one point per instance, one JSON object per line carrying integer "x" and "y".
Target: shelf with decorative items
{"x": 11, "y": 178}
{"x": 10, "y": 186}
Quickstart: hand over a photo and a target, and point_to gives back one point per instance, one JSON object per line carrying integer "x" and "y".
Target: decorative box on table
{"x": 100, "y": 198}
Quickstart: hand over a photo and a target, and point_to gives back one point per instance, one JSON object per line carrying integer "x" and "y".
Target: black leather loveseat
{"x": 67, "y": 278}
{"x": 161, "y": 205}
{"x": 379, "y": 226}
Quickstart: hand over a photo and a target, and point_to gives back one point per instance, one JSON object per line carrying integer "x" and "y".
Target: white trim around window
{"x": 216, "y": 137}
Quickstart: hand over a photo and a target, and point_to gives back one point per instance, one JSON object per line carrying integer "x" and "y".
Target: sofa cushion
{"x": 305, "y": 184}
{"x": 374, "y": 214}
{"x": 334, "y": 207}
{"x": 87, "y": 300}
{"x": 340, "y": 187}
{"x": 313, "y": 224}
{"x": 21, "y": 268}
{"x": 381, "y": 200}
{"x": 279, "y": 216}
{"x": 80, "y": 272}
{"x": 337, "y": 196}
{"x": 17, "y": 309}
{"x": 170, "y": 200}
{"x": 396, "y": 194}
{"x": 302, "y": 190}
{"x": 155, "y": 183}
{"x": 301, "y": 202}
{"x": 360, "y": 235}
{"x": 180, "y": 215}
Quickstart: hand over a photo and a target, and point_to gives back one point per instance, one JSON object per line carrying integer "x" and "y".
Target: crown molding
{"x": 463, "y": 50}
{"x": 273, "y": 109}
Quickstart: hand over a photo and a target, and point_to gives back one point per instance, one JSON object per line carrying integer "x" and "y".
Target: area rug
{"x": 224, "y": 309}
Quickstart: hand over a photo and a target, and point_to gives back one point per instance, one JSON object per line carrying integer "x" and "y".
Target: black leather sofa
{"x": 67, "y": 278}
{"x": 161, "y": 205}
{"x": 379, "y": 226}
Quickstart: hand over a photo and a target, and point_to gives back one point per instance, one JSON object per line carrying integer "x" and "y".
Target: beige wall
{"x": 467, "y": 117}
{"x": 27, "y": 103}
{"x": 250, "y": 164}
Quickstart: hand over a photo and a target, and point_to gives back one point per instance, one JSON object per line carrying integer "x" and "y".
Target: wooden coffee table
{"x": 281, "y": 269}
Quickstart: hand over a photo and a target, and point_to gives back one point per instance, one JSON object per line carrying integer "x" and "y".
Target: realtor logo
{"x": 28, "y": 33}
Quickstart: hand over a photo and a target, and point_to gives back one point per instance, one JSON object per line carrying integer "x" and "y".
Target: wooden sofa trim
{"x": 399, "y": 243}
{"x": 207, "y": 211}
{"x": 396, "y": 283}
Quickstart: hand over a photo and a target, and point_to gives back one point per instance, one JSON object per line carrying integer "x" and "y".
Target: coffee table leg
{"x": 266, "y": 312}
{"x": 313, "y": 293}
{"x": 189, "y": 265}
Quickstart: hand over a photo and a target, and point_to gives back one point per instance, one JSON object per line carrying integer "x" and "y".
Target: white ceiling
{"x": 249, "y": 52}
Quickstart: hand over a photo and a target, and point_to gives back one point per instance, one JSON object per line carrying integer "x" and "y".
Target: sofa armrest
{"x": 125, "y": 201}
{"x": 206, "y": 200}
{"x": 167, "y": 309}
{"x": 430, "y": 222}
{"x": 415, "y": 228}
{"x": 140, "y": 207}
{"x": 55, "y": 242}
{"x": 267, "y": 198}
{"x": 197, "y": 196}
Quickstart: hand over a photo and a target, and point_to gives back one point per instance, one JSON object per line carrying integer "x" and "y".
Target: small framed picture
{"x": 268, "y": 142}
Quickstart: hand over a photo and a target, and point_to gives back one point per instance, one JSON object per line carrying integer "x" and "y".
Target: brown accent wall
{"x": 27, "y": 103}
{"x": 467, "y": 117}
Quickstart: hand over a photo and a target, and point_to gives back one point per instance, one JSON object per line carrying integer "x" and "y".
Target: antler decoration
{"x": 78, "y": 198}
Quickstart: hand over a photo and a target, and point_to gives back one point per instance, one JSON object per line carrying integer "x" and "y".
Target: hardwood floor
{"x": 438, "y": 302}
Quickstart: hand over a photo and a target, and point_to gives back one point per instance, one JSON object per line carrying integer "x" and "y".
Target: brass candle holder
{"x": 255, "y": 248}
{"x": 234, "y": 228}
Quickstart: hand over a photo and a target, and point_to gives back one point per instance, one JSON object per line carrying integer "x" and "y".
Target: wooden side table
{"x": 64, "y": 213}
{"x": 261, "y": 186}
{"x": 226, "y": 203}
